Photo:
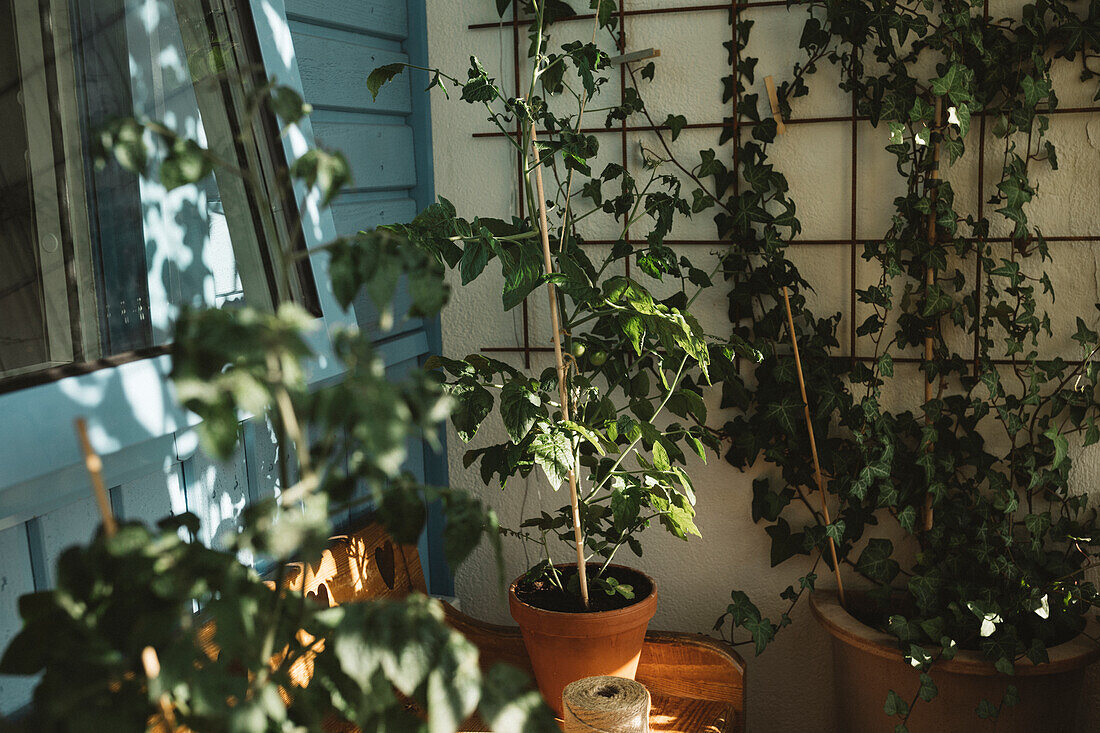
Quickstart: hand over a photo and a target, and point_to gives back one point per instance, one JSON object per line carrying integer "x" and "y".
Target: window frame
{"x": 127, "y": 398}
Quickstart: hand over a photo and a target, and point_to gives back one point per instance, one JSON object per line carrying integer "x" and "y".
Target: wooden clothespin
{"x": 773, "y": 98}
{"x": 626, "y": 58}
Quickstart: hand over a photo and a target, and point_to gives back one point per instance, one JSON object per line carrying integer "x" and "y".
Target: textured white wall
{"x": 790, "y": 686}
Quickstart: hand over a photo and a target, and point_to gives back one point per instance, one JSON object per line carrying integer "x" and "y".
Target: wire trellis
{"x": 853, "y": 119}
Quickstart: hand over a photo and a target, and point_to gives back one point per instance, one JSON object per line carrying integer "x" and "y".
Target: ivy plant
{"x": 237, "y": 664}
{"x": 638, "y": 363}
{"x": 988, "y": 543}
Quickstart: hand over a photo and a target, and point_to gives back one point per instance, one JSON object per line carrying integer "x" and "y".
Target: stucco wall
{"x": 790, "y": 686}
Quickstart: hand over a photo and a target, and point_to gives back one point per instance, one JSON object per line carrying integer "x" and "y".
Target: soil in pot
{"x": 545, "y": 595}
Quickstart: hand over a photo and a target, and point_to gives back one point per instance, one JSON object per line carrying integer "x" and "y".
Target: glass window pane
{"x": 96, "y": 261}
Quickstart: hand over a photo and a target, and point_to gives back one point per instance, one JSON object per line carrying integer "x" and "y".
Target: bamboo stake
{"x": 929, "y": 281}
{"x": 563, "y": 390}
{"x": 813, "y": 445}
{"x": 94, "y": 465}
{"x": 151, "y": 664}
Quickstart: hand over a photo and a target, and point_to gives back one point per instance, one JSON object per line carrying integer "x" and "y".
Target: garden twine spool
{"x": 605, "y": 705}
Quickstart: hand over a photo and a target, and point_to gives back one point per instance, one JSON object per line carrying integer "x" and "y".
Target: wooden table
{"x": 669, "y": 715}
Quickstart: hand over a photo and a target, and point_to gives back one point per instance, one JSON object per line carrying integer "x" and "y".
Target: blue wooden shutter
{"x": 388, "y": 145}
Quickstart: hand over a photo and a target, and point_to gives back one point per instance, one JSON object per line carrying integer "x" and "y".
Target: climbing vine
{"x": 974, "y": 478}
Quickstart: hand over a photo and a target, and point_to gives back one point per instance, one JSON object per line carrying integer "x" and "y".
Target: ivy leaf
{"x": 928, "y": 689}
{"x": 786, "y": 413}
{"x": 938, "y": 302}
{"x": 955, "y": 84}
{"x": 876, "y": 562}
{"x": 1061, "y": 445}
{"x": 676, "y": 124}
{"x": 895, "y": 706}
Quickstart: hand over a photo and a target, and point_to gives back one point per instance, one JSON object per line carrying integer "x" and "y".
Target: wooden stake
{"x": 813, "y": 445}
{"x": 929, "y": 281}
{"x": 151, "y": 663}
{"x": 773, "y": 98}
{"x": 94, "y": 464}
{"x": 563, "y": 390}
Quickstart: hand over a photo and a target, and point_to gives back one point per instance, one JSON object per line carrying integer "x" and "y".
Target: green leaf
{"x": 381, "y": 76}
{"x": 475, "y": 257}
{"x": 330, "y": 172}
{"x": 289, "y": 105}
{"x": 660, "y": 457}
{"x": 1061, "y": 445}
{"x": 895, "y": 706}
{"x": 876, "y": 561}
{"x": 185, "y": 164}
{"x": 508, "y": 700}
{"x": 474, "y": 403}
{"x": 676, "y": 124}
{"x": 519, "y": 408}
{"x": 928, "y": 689}
{"x": 523, "y": 269}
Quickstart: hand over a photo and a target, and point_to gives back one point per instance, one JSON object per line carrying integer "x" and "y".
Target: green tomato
{"x": 598, "y": 358}
{"x": 578, "y": 349}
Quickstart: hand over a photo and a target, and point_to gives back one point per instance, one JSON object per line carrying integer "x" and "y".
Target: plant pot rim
{"x": 646, "y": 605}
{"x": 1077, "y": 653}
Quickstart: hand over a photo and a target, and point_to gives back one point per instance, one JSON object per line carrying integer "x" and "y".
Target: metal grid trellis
{"x": 733, "y": 10}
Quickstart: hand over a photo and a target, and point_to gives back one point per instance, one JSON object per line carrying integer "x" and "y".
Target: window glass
{"x": 96, "y": 261}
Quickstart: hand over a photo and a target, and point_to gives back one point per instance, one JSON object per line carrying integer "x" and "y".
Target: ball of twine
{"x": 605, "y": 705}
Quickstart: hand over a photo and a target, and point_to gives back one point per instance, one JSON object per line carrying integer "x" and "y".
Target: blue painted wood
{"x": 334, "y": 66}
{"x": 217, "y": 493}
{"x": 16, "y": 579}
{"x": 380, "y": 155}
{"x": 354, "y": 212}
{"x": 439, "y": 577}
{"x": 152, "y": 497}
{"x": 60, "y": 529}
{"x": 62, "y": 486}
{"x": 382, "y": 18}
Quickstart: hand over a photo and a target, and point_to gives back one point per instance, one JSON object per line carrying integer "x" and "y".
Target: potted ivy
{"x": 616, "y": 415}
{"x": 974, "y": 600}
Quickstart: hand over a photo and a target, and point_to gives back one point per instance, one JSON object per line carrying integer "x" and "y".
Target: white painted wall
{"x": 790, "y": 686}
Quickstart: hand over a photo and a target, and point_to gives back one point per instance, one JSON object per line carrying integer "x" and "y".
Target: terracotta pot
{"x": 867, "y": 664}
{"x": 565, "y": 647}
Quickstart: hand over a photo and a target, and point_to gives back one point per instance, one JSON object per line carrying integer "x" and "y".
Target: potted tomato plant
{"x": 616, "y": 414}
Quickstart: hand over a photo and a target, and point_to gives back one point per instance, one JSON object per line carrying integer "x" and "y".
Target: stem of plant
{"x": 563, "y": 389}
{"x": 813, "y": 446}
{"x": 929, "y": 280}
